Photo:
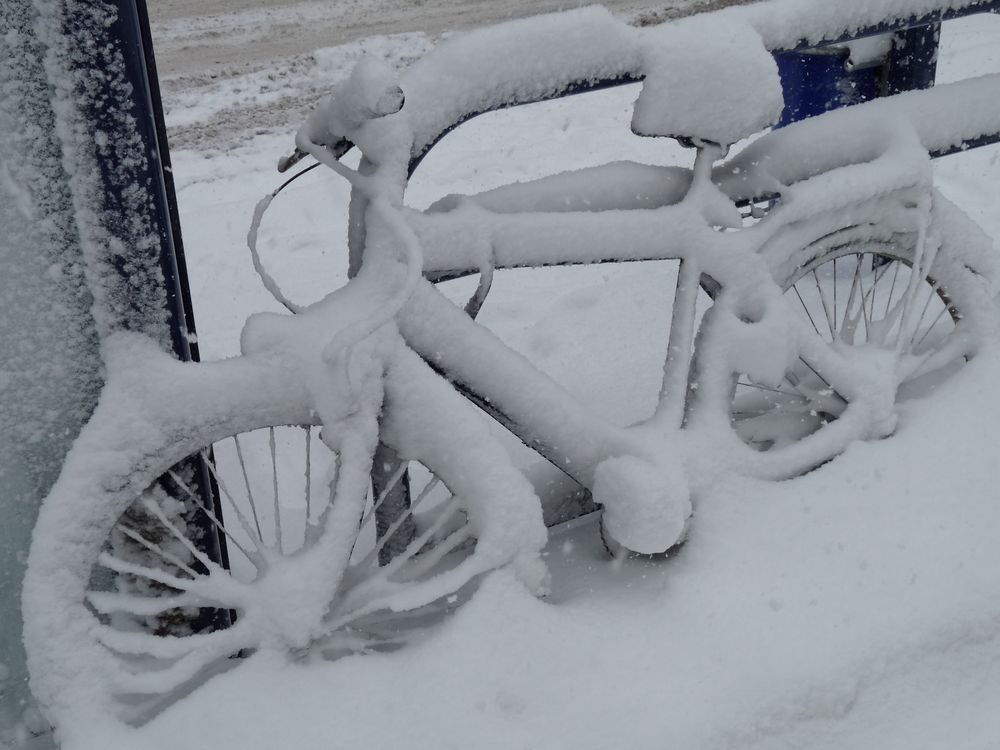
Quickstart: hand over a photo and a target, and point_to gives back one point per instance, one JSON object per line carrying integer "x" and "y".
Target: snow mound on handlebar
{"x": 513, "y": 62}
{"x": 734, "y": 93}
{"x": 372, "y": 90}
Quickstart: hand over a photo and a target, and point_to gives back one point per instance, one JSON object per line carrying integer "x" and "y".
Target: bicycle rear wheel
{"x": 865, "y": 291}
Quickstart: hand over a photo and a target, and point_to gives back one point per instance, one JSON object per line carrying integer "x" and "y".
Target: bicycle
{"x": 772, "y": 380}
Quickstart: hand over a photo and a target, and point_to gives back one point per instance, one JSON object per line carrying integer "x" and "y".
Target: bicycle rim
{"x": 857, "y": 291}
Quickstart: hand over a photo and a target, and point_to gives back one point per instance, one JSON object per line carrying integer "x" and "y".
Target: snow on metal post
{"x": 90, "y": 246}
{"x": 817, "y": 80}
{"x": 912, "y": 62}
{"x": 135, "y": 257}
{"x": 50, "y": 367}
{"x": 131, "y": 30}
{"x": 850, "y": 72}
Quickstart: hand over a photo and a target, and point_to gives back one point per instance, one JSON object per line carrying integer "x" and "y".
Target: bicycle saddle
{"x": 713, "y": 83}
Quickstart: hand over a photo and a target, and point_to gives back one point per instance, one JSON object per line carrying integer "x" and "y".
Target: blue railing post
{"x": 912, "y": 61}
{"x": 817, "y": 80}
{"x": 820, "y": 79}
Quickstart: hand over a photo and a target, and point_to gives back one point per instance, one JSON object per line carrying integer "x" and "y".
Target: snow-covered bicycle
{"x": 845, "y": 285}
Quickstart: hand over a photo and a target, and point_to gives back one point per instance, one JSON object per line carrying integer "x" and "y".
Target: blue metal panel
{"x": 912, "y": 63}
{"x": 814, "y": 82}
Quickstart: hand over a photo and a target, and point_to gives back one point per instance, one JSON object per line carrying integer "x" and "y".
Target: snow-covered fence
{"x": 604, "y": 52}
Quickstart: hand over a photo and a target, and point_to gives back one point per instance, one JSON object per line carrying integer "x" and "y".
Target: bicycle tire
{"x": 90, "y": 657}
{"x": 950, "y": 305}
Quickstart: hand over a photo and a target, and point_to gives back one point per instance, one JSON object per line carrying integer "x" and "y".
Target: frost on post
{"x": 49, "y": 364}
{"x": 80, "y": 255}
{"x": 107, "y": 165}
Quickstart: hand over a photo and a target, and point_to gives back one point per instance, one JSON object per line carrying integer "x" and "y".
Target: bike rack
{"x": 909, "y": 65}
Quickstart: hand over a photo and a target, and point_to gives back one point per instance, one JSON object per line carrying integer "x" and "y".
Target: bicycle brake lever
{"x": 338, "y": 149}
{"x": 287, "y": 162}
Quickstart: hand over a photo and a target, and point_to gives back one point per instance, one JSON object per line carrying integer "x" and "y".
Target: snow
{"x": 783, "y": 24}
{"x": 372, "y": 90}
{"x": 486, "y": 69}
{"x": 48, "y": 367}
{"x": 855, "y": 605}
{"x": 113, "y": 209}
{"x": 833, "y": 609}
{"x": 736, "y": 93}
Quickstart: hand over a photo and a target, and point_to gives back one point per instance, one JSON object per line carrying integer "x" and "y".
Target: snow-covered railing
{"x": 588, "y": 49}
{"x": 788, "y": 25}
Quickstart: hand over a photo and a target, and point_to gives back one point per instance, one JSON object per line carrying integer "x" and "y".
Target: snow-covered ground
{"x": 855, "y": 607}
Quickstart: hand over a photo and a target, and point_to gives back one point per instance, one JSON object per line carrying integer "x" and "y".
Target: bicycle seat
{"x": 708, "y": 81}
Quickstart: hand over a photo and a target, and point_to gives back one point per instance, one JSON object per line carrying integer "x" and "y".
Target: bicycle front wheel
{"x": 119, "y": 592}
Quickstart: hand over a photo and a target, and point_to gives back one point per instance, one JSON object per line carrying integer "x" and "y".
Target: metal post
{"x": 154, "y": 212}
{"x": 912, "y": 62}
{"x": 90, "y": 245}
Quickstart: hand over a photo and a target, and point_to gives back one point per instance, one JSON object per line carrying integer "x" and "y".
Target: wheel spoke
{"x": 429, "y": 559}
{"x": 835, "y": 285}
{"x": 888, "y": 302}
{"x": 169, "y": 557}
{"x": 258, "y": 541}
{"x": 160, "y": 516}
{"x": 372, "y": 556}
{"x": 880, "y": 271}
{"x": 864, "y": 310}
{"x": 246, "y": 480}
{"x": 452, "y": 505}
{"x": 109, "y": 602}
{"x": 826, "y": 308}
{"x": 930, "y": 328}
{"x": 804, "y": 307}
{"x": 193, "y": 497}
{"x": 931, "y": 295}
{"x": 877, "y": 326}
{"x": 308, "y": 462}
{"x": 390, "y": 486}
{"x": 850, "y": 323}
{"x": 768, "y": 388}
{"x": 118, "y": 565}
{"x": 833, "y": 391}
{"x": 278, "y": 541}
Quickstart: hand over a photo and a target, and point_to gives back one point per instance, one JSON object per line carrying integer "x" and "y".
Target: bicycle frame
{"x": 517, "y": 394}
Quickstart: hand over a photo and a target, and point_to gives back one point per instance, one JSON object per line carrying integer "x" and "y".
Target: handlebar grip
{"x": 338, "y": 149}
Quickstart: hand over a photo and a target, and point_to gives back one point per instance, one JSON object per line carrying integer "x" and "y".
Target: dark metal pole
{"x": 912, "y": 61}
{"x": 121, "y": 173}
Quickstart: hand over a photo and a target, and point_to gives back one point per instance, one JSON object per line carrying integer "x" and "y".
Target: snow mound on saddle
{"x": 736, "y": 90}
